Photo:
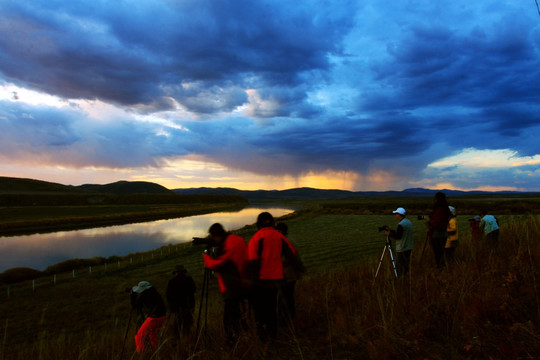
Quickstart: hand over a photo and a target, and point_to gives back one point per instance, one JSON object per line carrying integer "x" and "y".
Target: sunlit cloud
{"x": 475, "y": 158}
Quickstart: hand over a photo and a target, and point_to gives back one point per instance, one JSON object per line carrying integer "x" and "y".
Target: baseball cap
{"x": 399, "y": 210}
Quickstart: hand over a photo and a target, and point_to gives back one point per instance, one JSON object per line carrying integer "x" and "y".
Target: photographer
{"x": 437, "y": 224}
{"x": 265, "y": 251}
{"x": 404, "y": 241}
{"x": 147, "y": 301}
{"x": 230, "y": 266}
{"x": 490, "y": 227}
{"x": 181, "y": 298}
{"x": 452, "y": 230}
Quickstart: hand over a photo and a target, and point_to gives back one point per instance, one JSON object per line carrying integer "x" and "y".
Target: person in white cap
{"x": 146, "y": 299}
{"x": 404, "y": 241}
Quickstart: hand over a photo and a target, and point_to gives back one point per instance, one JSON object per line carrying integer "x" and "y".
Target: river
{"x": 41, "y": 250}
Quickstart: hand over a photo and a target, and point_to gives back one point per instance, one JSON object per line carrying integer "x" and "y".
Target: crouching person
{"x": 230, "y": 264}
{"x": 147, "y": 301}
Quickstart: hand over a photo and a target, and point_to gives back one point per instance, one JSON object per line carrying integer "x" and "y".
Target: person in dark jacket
{"x": 181, "y": 298}
{"x": 292, "y": 272}
{"x": 147, "y": 301}
{"x": 230, "y": 264}
{"x": 437, "y": 224}
{"x": 265, "y": 251}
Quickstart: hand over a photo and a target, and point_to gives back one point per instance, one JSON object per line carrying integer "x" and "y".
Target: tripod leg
{"x": 392, "y": 258}
{"x": 125, "y": 336}
{"x": 380, "y": 263}
{"x": 203, "y": 290}
{"x": 206, "y": 306}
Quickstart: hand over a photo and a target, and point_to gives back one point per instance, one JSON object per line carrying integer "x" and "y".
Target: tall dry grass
{"x": 484, "y": 305}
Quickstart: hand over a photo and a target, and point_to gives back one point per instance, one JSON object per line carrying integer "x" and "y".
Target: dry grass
{"x": 484, "y": 305}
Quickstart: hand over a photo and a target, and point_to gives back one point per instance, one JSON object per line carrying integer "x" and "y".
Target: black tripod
{"x": 204, "y": 296}
{"x": 388, "y": 247}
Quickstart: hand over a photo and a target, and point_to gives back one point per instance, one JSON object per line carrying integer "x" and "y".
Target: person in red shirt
{"x": 265, "y": 251}
{"x": 230, "y": 264}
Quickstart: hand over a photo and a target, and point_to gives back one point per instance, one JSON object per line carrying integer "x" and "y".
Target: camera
{"x": 421, "y": 217}
{"x": 207, "y": 241}
{"x": 384, "y": 228}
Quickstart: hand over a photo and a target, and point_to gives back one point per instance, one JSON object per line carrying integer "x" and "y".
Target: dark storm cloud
{"x": 282, "y": 87}
{"x": 140, "y": 52}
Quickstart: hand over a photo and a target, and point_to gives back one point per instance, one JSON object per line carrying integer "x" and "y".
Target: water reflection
{"x": 41, "y": 250}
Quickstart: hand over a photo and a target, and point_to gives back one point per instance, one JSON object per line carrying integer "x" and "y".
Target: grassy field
{"x": 485, "y": 305}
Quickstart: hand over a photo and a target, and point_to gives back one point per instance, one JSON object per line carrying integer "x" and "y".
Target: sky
{"x": 353, "y": 95}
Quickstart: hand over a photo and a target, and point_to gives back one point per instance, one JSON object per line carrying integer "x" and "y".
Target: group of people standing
{"x": 442, "y": 233}
{"x": 254, "y": 276}
{"x": 258, "y": 277}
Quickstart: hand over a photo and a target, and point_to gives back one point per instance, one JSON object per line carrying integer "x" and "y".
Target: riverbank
{"x": 26, "y": 220}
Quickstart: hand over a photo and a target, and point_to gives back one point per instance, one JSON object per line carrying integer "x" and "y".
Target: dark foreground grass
{"x": 485, "y": 305}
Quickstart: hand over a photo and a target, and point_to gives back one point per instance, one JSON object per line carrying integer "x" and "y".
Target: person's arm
{"x": 396, "y": 234}
{"x": 214, "y": 263}
{"x": 452, "y": 227}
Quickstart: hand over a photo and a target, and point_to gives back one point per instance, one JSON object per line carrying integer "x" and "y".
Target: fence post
{"x": 73, "y": 273}
{"x": 34, "y": 285}
{"x": 118, "y": 264}
{"x": 131, "y": 260}
{"x": 90, "y": 270}
{"x": 54, "y": 279}
{"x": 8, "y": 291}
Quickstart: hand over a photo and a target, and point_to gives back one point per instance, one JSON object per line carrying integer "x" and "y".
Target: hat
{"x": 400, "y": 211}
{"x": 179, "y": 269}
{"x": 452, "y": 210}
{"x": 476, "y": 218}
{"x": 143, "y": 285}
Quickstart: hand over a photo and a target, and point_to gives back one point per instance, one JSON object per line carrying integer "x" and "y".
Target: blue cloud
{"x": 275, "y": 87}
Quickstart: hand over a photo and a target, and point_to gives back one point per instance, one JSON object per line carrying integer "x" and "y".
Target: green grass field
{"x": 484, "y": 305}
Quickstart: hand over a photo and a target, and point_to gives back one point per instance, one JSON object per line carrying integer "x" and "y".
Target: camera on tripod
{"x": 384, "y": 228}
{"x": 207, "y": 242}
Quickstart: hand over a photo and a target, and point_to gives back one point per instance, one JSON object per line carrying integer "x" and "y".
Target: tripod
{"x": 389, "y": 248}
{"x": 204, "y": 296}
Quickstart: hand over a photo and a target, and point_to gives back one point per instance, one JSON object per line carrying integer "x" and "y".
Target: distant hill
{"x": 319, "y": 194}
{"x": 20, "y": 185}
{"x": 11, "y": 185}
{"x": 127, "y": 187}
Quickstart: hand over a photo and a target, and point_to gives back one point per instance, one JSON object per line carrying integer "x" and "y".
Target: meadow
{"x": 484, "y": 305}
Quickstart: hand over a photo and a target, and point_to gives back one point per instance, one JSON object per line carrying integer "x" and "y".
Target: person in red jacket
{"x": 230, "y": 264}
{"x": 265, "y": 251}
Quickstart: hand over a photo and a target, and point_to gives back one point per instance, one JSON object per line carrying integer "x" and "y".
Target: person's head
{"x": 282, "y": 228}
{"x": 179, "y": 270}
{"x": 400, "y": 213}
{"x": 452, "y": 210}
{"x": 483, "y": 213}
{"x": 265, "y": 219}
{"x": 440, "y": 199}
{"x": 217, "y": 233}
{"x": 143, "y": 285}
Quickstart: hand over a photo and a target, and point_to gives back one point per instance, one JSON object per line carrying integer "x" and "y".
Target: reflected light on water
{"x": 41, "y": 250}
